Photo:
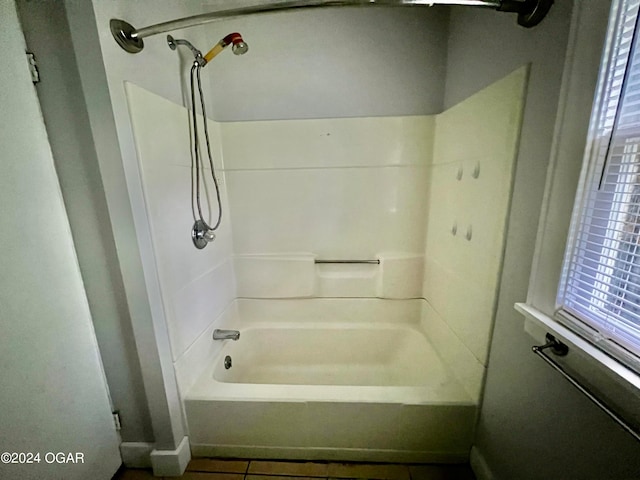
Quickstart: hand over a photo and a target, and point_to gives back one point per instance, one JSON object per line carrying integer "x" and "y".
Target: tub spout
{"x": 226, "y": 334}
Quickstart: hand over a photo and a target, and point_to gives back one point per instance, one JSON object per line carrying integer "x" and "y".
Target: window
{"x": 599, "y": 295}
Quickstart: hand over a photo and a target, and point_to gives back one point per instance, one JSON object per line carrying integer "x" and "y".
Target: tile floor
{"x": 219, "y": 469}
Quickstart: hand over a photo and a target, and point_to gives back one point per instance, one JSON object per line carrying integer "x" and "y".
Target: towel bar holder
{"x": 376, "y": 261}
{"x": 560, "y": 349}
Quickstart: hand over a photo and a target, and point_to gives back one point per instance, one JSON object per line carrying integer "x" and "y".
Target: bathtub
{"x": 330, "y": 379}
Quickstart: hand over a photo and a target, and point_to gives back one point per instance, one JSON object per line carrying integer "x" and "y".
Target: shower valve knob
{"x": 201, "y": 234}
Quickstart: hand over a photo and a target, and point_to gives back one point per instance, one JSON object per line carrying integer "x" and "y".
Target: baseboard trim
{"x": 328, "y": 454}
{"x": 136, "y": 454}
{"x": 171, "y": 463}
{"x": 479, "y": 465}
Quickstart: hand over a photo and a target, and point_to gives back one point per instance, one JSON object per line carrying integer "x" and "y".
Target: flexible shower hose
{"x": 195, "y": 78}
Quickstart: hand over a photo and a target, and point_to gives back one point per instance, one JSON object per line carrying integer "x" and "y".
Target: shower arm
{"x": 174, "y": 42}
{"x": 530, "y": 13}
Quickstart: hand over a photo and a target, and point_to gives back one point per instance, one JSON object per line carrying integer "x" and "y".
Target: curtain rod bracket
{"x": 123, "y": 34}
{"x": 530, "y": 12}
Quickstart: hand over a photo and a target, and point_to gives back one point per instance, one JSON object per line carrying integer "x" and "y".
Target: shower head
{"x": 239, "y": 46}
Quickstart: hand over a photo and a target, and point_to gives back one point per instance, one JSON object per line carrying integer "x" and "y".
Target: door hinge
{"x": 116, "y": 420}
{"x": 33, "y": 67}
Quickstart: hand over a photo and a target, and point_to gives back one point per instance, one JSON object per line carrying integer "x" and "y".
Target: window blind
{"x": 600, "y": 287}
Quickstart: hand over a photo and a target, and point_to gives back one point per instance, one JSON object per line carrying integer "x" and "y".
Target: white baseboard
{"x": 479, "y": 465}
{"x": 136, "y": 454}
{"x": 171, "y": 463}
{"x": 328, "y": 454}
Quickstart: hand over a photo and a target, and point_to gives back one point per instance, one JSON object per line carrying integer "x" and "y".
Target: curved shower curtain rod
{"x": 530, "y": 13}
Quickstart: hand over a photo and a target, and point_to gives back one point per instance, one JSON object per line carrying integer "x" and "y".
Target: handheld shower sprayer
{"x": 202, "y": 233}
{"x": 239, "y": 47}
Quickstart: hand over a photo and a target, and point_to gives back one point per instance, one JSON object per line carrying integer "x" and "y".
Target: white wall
{"x": 533, "y": 424}
{"x": 53, "y": 396}
{"x": 60, "y": 93}
{"x": 344, "y": 62}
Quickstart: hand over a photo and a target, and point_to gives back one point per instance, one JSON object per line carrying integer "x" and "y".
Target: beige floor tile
{"x": 134, "y": 474}
{"x": 369, "y": 471}
{"x": 278, "y": 477}
{"x": 441, "y": 472}
{"x": 203, "y": 469}
{"x": 308, "y": 469}
{"x": 209, "y": 476}
{"x": 217, "y": 465}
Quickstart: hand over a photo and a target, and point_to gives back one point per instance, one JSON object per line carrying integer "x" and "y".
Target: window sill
{"x": 538, "y": 323}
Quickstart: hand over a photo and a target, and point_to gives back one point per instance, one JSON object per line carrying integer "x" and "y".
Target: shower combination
{"x": 202, "y": 233}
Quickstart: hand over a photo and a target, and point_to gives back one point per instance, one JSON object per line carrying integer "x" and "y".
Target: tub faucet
{"x": 226, "y": 334}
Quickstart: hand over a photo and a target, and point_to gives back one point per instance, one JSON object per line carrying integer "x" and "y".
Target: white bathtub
{"x": 331, "y": 379}
{"x": 385, "y": 356}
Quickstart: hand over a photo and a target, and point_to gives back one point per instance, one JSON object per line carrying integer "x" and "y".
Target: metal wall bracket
{"x": 33, "y": 68}
{"x": 530, "y": 12}
{"x": 116, "y": 420}
{"x": 123, "y": 34}
{"x": 556, "y": 346}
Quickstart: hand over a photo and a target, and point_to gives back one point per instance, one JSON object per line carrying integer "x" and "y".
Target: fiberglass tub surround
{"x": 405, "y": 354}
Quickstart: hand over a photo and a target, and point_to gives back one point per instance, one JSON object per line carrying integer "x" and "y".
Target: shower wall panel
{"x": 330, "y": 189}
{"x": 476, "y": 144}
{"x": 197, "y": 285}
{"x": 357, "y": 188}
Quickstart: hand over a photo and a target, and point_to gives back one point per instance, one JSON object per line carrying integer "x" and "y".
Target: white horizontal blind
{"x": 601, "y": 278}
